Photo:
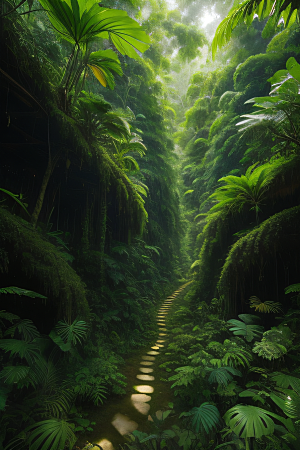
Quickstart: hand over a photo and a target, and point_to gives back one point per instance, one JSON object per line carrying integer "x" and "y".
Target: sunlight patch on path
{"x": 123, "y": 424}
{"x": 145, "y": 370}
{"x": 144, "y": 389}
{"x": 145, "y": 377}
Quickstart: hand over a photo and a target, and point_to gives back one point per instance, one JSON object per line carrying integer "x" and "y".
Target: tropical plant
{"x": 248, "y": 421}
{"x": 222, "y": 375}
{"x": 82, "y": 23}
{"x": 280, "y": 110}
{"x": 246, "y": 327}
{"x": 20, "y": 291}
{"x": 269, "y": 350}
{"x": 275, "y": 343}
{"x": 264, "y": 307}
{"x": 247, "y": 190}
{"x": 17, "y": 198}
{"x": 204, "y": 417}
{"x": 247, "y": 10}
{"x": 50, "y": 434}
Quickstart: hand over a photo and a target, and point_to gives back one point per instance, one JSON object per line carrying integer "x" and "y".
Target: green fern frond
{"x": 20, "y": 291}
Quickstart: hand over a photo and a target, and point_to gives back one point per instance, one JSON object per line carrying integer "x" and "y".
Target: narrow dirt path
{"x": 146, "y": 393}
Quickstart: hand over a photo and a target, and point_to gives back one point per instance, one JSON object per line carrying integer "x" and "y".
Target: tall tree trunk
{"x": 103, "y": 218}
{"x": 41, "y": 196}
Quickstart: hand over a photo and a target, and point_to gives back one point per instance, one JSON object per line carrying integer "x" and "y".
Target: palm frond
{"x": 28, "y": 350}
{"x": 204, "y": 417}
{"x": 222, "y": 375}
{"x": 51, "y": 434}
{"x": 26, "y": 328}
{"x": 265, "y": 307}
{"x": 13, "y": 374}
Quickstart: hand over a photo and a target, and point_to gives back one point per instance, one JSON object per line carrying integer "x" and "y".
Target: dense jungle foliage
{"x": 145, "y": 144}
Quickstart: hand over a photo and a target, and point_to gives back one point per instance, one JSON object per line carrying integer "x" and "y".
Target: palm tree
{"x": 247, "y": 190}
{"x": 277, "y": 10}
{"x": 82, "y": 23}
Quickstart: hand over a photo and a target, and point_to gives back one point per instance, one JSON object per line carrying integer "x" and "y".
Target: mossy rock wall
{"x": 23, "y": 247}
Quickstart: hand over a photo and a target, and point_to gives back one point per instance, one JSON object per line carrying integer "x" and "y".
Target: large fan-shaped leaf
{"x": 245, "y": 328}
{"x": 8, "y": 316}
{"x": 81, "y": 22}
{"x": 74, "y": 332}
{"x": 26, "y": 328}
{"x": 265, "y": 307}
{"x": 222, "y": 375}
{"x": 27, "y": 350}
{"x": 13, "y": 374}
{"x": 51, "y": 434}
{"x": 250, "y": 421}
{"x": 285, "y": 380}
{"x": 206, "y": 417}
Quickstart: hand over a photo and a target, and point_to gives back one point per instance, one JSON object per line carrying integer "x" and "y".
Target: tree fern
{"x": 205, "y": 417}
{"x": 247, "y": 190}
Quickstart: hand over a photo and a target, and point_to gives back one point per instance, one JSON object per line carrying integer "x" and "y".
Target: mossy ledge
{"x": 42, "y": 260}
{"x": 279, "y": 233}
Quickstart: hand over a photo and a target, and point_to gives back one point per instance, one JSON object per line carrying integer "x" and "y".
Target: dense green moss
{"x": 41, "y": 260}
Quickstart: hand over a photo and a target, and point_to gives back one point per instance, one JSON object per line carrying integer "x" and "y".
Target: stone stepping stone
{"x": 151, "y": 353}
{"x": 123, "y": 424}
{"x": 145, "y": 370}
{"x": 162, "y": 334}
{"x": 144, "y": 389}
{"x": 155, "y": 347}
{"x": 105, "y": 444}
{"x": 145, "y": 377}
{"x": 161, "y": 340}
{"x": 140, "y": 398}
{"x": 148, "y": 358}
{"x": 162, "y": 329}
{"x": 158, "y": 345}
{"x": 141, "y": 407}
{"x": 146, "y": 363}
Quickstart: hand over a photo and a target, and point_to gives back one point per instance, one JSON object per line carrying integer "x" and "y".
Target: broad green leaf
{"x": 250, "y": 421}
{"x": 294, "y": 68}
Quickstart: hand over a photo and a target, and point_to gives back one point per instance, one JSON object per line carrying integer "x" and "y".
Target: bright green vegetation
{"x": 141, "y": 151}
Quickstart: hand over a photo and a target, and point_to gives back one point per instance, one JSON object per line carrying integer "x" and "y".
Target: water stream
{"x": 146, "y": 393}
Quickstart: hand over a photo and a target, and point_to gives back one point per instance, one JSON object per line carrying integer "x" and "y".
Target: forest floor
{"x": 121, "y": 415}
